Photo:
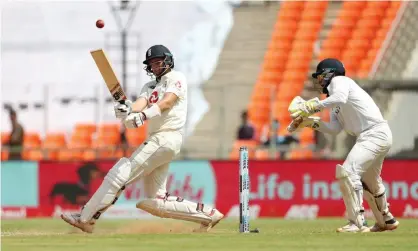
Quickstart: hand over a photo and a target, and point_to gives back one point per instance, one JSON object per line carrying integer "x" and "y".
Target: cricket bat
{"x": 108, "y": 75}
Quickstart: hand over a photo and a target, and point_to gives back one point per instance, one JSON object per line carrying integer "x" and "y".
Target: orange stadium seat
{"x": 329, "y": 53}
{"x": 373, "y": 13}
{"x": 279, "y": 45}
{"x": 307, "y": 136}
{"x": 354, "y": 5}
{"x": 312, "y": 15}
{"x": 341, "y": 24}
{"x": 31, "y": 142}
{"x": 103, "y": 148}
{"x": 316, "y": 5}
{"x": 85, "y": 128}
{"x": 348, "y": 14}
{"x": 108, "y": 128}
{"x": 378, "y": 4}
{"x": 285, "y": 26}
{"x": 302, "y": 45}
{"x": 387, "y": 22}
{"x": 381, "y": 33}
{"x": 136, "y": 137}
{"x": 52, "y": 144}
{"x": 335, "y": 43}
{"x": 378, "y": 42}
{"x": 5, "y": 137}
{"x": 4, "y": 154}
{"x": 354, "y": 54}
{"x": 369, "y": 23}
{"x": 362, "y": 33}
{"x": 278, "y": 55}
{"x": 78, "y": 144}
{"x": 301, "y": 154}
{"x": 262, "y": 154}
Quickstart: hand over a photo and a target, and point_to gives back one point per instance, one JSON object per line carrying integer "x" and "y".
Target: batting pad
{"x": 176, "y": 208}
{"x": 108, "y": 192}
{"x": 353, "y": 197}
{"x": 377, "y": 212}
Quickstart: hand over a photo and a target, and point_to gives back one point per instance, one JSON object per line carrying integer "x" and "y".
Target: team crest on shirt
{"x": 153, "y": 98}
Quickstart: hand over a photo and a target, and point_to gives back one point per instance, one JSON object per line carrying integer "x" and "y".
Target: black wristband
{"x": 145, "y": 116}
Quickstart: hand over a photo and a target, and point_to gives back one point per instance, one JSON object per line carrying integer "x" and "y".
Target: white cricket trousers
{"x": 367, "y": 155}
{"x": 152, "y": 161}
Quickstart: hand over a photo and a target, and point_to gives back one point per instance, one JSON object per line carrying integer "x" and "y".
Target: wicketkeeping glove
{"x": 305, "y": 109}
{"x": 301, "y": 122}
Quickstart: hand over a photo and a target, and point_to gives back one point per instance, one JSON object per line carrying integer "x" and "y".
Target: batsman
{"x": 353, "y": 110}
{"x": 163, "y": 102}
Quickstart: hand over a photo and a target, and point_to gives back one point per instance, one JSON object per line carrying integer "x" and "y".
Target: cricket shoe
{"x": 74, "y": 220}
{"x": 390, "y": 225}
{"x": 216, "y": 218}
{"x": 352, "y": 228}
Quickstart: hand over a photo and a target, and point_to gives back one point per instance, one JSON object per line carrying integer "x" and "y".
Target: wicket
{"x": 244, "y": 191}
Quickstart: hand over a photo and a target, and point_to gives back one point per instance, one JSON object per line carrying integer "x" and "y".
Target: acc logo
{"x": 153, "y": 98}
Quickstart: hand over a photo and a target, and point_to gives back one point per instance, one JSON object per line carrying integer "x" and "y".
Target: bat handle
{"x": 122, "y": 102}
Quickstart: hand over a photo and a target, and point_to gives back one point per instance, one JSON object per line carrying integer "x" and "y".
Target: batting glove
{"x": 134, "y": 120}
{"x": 122, "y": 110}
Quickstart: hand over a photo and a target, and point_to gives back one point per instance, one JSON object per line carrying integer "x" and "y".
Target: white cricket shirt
{"x": 173, "y": 119}
{"x": 354, "y": 109}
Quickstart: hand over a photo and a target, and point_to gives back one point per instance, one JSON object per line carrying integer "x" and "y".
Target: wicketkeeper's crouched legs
{"x": 363, "y": 166}
{"x": 352, "y": 193}
{"x": 160, "y": 203}
{"x": 375, "y": 195}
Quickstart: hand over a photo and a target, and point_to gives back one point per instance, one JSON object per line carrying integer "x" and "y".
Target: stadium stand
{"x": 280, "y": 42}
{"x": 354, "y": 38}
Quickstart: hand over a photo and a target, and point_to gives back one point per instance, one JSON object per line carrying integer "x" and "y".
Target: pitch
{"x": 275, "y": 234}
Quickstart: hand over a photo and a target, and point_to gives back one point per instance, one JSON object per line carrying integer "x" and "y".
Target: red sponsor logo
{"x": 308, "y": 189}
{"x": 175, "y": 186}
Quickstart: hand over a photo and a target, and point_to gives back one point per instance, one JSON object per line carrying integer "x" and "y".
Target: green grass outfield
{"x": 170, "y": 235}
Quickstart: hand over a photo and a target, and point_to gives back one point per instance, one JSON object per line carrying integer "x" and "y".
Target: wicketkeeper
{"x": 353, "y": 110}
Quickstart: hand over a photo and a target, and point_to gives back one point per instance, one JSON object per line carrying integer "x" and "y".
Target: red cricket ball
{"x": 99, "y": 23}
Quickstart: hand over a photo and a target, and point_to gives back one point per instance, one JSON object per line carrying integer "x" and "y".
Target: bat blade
{"x": 108, "y": 74}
